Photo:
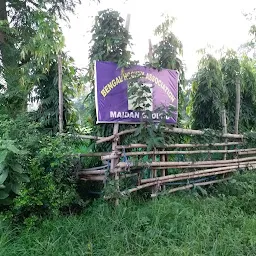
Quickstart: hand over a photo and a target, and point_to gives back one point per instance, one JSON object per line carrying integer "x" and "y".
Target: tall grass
{"x": 222, "y": 223}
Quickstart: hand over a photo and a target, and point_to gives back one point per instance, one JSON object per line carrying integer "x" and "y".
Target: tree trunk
{"x": 60, "y": 94}
{"x": 237, "y": 105}
{"x": 224, "y": 128}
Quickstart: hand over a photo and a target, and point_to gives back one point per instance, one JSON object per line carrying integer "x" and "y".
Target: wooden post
{"x": 114, "y": 162}
{"x": 238, "y": 97}
{"x": 154, "y": 174}
{"x": 163, "y": 159}
{"x": 60, "y": 94}
{"x": 224, "y": 129}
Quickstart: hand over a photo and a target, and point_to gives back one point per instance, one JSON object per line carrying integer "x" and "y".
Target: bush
{"x": 51, "y": 169}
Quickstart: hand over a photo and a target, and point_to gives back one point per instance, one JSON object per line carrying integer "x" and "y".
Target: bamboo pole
{"x": 93, "y": 178}
{"x": 115, "y": 160}
{"x": 172, "y": 130}
{"x": 92, "y": 172}
{"x": 225, "y": 130}
{"x": 190, "y": 176}
{"x": 80, "y": 136}
{"x": 171, "y": 164}
{"x": 163, "y": 159}
{"x": 60, "y": 86}
{"x": 194, "y": 185}
{"x": 247, "y": 153}
{"x": 197, "y": 166}
{"x": 143, "y": 153}
{"x": 132, "y": 146}
{"x": 238, "y": 98}
{"x": 154, "y": 175}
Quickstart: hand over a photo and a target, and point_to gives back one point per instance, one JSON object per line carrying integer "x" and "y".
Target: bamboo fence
{"x": 161, "y": 171}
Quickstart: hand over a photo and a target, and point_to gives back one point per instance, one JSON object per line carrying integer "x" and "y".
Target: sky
{"x": 199, "y": 23}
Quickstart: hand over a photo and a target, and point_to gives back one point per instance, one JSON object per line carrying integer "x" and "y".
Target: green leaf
{"x": 14, "y": 149}
{"x": 17, "y": 168}
{"x": 3, "y": 195}
{"x": 23, "y": 177}
{"x": 16, "y": 188}
{"x": 3, "y": 176}
{"x": 3, "y": 155}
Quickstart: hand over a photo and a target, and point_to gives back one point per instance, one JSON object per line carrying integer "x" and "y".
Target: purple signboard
{"x": 116, "y": 90}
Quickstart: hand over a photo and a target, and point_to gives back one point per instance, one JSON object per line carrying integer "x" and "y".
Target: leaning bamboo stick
{"x": 115, "y": 155}
{"x": 171, "y": 164}
{"x": 194, "y": 185}
{"x": 206, "y": 166}
{"x": 92, "y": 172}
{"x": 247, "y": 153}
{"x": 187, "y": 152}
{"x": 188, "y": 174}
{"x": 158, "y": 182}
{"x": 191, "y": 166}
{"x": 132, "y": 146}
{"x": 171, "y": 130}
{"x": 93, "y": 178}
{"x": 80, "y": 136}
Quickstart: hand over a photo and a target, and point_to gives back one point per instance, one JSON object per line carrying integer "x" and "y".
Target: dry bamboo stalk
{"x": 206, "y": 166}
{"x": 115, "y": 161}
{"x": 163, "y": 159}
{"x": 225, "y": 130}
{"x": 93, "y": 178}
{"x": 188, "y": 152}
{"x": 95, "y": 168}
{"x": 171, "y": 164}
{"x": 171, "y": 130}
{"x": 82, "y": 136}
{"x": 92, "y": 172}
{"x": 115, "y": 155}
{"x": 247, "y": 153}
{"x": 131, "y": 146}
{"x": 189, "y": 174}
{"x": 212, "y": 173}
{"x": 194, "y": 185}
{"x": 192, "y": 167}
{"x": 154, "y": 175}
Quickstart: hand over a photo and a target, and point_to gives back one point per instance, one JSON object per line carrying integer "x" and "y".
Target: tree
{"x": 209, "y": 95}
{"x": 109, "y": 43}
{"x": 167, "y": 53}
{"x": 20, "y": 22}
{"x": 248, "y": 98}
{"x": 230, "y": 67}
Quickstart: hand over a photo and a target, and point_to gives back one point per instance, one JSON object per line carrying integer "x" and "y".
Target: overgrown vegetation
{"x": 222, "y": 223}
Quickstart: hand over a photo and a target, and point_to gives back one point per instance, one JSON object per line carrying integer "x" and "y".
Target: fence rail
{"x": 160, "y": 169}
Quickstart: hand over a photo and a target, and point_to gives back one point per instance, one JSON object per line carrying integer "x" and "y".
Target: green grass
{"x": 223, "y": 223}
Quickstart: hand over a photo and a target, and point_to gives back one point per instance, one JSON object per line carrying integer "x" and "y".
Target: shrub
{"x": 51, "y": 169}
